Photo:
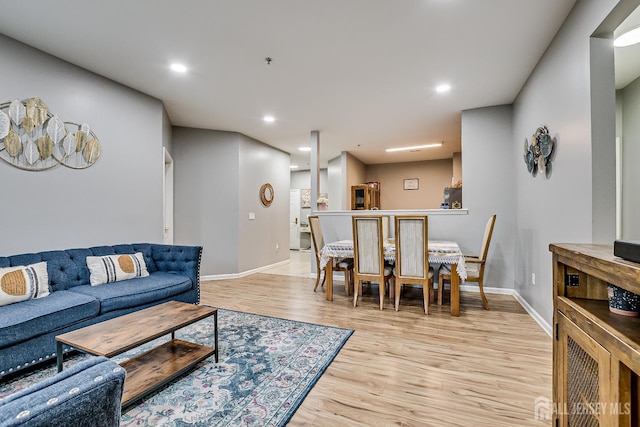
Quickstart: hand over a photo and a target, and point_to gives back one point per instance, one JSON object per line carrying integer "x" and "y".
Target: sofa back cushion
{"x": 68, "y": 268}
{"x": 62, "y": 270}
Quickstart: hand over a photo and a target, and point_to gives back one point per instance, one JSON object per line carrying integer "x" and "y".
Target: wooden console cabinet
{"x": 596, "y": 353}
{"x": 364, "y": 197}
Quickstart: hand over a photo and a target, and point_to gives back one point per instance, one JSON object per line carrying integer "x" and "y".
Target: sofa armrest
{"x": 183, "y": 260}
{"x": 87, "y": 394}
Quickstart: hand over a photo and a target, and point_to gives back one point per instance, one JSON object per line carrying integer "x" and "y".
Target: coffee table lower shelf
{"x": 153, "y": 369}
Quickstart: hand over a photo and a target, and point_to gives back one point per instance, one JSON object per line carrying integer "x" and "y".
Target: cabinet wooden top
{"x": 589, "y": 251}
{"x": 599, "y": 261}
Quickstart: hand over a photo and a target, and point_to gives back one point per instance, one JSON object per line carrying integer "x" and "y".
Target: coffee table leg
{"x": 215, "y": 329}
{"x": 59, "y": 355}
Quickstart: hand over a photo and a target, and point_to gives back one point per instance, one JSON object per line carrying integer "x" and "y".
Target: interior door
{"x": 294, "y": 219}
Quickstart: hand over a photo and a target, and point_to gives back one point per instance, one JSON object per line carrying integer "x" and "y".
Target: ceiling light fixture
{"x": 269, "y": 119}
{"x": 178, "y": 68}
{"x": 414, "y": 147}
{"x": 304, "y": 148}
{"x": 443, "y": 88}
{"x": 629, "y": 38}
{"x": 293, "y": 166}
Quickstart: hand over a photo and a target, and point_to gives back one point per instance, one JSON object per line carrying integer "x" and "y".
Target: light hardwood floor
{"x": 485, "y": 368}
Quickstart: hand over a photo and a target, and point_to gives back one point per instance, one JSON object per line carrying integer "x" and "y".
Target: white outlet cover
{"x": 252, "y": 215}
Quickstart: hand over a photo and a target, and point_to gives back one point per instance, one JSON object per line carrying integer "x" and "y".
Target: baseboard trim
{"x": 487, "y": 290}
{"x": 543, "y": 323}
{"x": 244, "y": 273}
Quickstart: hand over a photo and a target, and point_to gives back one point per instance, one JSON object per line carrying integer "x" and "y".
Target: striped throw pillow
{"x": 114, "y": 268}
{"x": 23, "y": 282}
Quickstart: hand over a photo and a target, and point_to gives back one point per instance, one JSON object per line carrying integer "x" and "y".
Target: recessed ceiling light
{"x": 443, "y": 88}
{"x": 293, "y": 166}
{"x": 304, "y": 148}
{"x": 629, "y": 38}
{"x": 178, "y": 68}
{"x": 414, "y": 147}
{"x": 269, "y": 119}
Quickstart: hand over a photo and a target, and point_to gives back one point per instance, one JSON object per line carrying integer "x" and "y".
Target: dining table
{"x": 440, "y": 252}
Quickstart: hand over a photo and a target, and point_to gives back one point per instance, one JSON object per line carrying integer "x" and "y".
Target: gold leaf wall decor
{"x": 45, "y": 147}
{"x": 81, "y": 139}
{"x": 12, "y": 143}
{"x": 34, "y": 139}
{"x": 91, "y": 151}
{"x": 36, "y": 114}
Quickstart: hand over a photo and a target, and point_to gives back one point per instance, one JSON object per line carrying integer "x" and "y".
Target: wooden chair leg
{"x": 347, "y": 282}
{"x": 356, "y": 292}
{"x": 425, "y": 297}
{"x": 485, "y": 303}
{"x": 320, "y": 270}
{"x": 440, "y": 289}
{"x": 381, "y": 291}
{"x": 397, "y": 289}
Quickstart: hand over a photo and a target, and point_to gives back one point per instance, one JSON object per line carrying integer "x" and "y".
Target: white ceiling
{"x": 362, "y": 72}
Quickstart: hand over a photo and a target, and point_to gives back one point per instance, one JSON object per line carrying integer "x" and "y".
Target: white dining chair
{"x": 368, "y": 250}
{"x": 412, "y": 256}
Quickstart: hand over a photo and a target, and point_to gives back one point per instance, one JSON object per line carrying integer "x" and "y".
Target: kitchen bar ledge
{"x": 395, "y": 212}
{"x": 444, "y": 224}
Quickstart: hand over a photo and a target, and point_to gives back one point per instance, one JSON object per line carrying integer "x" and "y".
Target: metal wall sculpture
{"x": 537, "y": 155}
{"x": 31, "y": 138}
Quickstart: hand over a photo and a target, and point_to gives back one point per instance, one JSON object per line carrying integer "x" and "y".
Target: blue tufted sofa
{"x": 28, "y": 328}
{"x": 86, "y": 395}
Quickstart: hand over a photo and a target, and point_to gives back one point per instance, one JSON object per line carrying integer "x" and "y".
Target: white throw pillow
{"x": 114, "y": 268}
{"x": 23, "y": 282}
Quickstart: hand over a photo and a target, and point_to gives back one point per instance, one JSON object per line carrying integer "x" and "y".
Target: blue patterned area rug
{"x": 266, "y": 368}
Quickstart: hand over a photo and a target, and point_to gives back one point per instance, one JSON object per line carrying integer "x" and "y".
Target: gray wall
{"x": 630, "y": 117}
{"x": 302, "y": 180}
{"x": 558, "y": 209}
{"x": 218, "y": 176}
{"x": 206, "y": 197}
{"x": 167, "y": 131}
{"x": 336, "y": 180}
{"x": 488, "y": 188}
{"x": 265, "y": 240}
{"x": 118, "y": 199}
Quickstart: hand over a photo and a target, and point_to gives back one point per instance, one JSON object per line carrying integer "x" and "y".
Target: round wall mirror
{"x": 266, "y": 194}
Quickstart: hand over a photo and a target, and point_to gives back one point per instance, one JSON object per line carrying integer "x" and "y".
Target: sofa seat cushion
{"x": 28, "y": 319}
{"x": 136, "y": 292}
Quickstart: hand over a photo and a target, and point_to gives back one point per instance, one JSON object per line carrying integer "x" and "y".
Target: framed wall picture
{"x": 410, "y": 184}
{"x": 305, "y": 198}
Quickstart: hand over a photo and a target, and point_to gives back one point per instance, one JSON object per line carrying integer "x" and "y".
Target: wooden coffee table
{"x": 156, "y": 367}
